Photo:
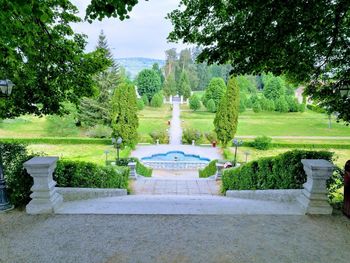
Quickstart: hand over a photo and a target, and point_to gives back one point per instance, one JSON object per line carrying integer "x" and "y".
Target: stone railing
{"x": 314, "y": 195}
{"x": 175, "y": 165}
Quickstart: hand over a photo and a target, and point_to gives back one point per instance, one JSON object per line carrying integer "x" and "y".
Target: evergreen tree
{"x": 156, "y": 68}
{"x": 195, "y": 103}
{"x": 226, "y": 117}
{"x": 215, "y": 91}
{"x": 184, "y": 88}
{"x": 211, "y": 106}
{"x": 103, "y": 44}
{"x": 124, "y": 114}
{"x": 169, "y": 87}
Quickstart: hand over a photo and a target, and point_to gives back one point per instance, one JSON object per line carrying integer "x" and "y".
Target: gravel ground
{"x": 158, "y": 238}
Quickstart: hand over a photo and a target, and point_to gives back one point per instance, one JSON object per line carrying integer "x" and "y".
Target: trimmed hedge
{"x": 90, "y": 175}
{"x": 209, "y": 170}
{"x": 56, "y": 140}
{"x": 140, "y": 168}
{"x": 284, "y": 171}
{"x": 18, "y": 181}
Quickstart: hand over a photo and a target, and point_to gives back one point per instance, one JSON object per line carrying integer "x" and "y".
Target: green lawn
{"x": 153, "y": 119}
{"x": 80, "y": 152}
{"x": 270, "y": 123}
{"x": 150, "y": 119}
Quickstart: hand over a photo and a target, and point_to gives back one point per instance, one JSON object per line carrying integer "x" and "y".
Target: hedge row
{"x": 209, "y": 170}
{"x": 284, "y": 171}
{"x": 140, "y": 168}
{"x": 90, "y": 175}
{"x": 56, "y": 140}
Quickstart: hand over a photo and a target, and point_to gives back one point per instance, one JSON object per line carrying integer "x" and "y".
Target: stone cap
{"x": 41, "y": 162}
{"x": 319, "y": 164}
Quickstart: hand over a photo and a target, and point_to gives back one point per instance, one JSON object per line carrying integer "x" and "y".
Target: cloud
{"x": 143, "y": 35}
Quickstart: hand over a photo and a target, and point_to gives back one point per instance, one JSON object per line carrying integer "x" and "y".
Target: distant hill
{"x": 134, "y": 65}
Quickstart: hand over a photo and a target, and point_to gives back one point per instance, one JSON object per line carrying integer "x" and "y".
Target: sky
{"x": 143, "y": 35}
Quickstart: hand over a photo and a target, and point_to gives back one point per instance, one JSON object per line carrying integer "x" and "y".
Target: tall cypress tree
{"x": 226, "y": 117}
{"x": 124, "y": 114}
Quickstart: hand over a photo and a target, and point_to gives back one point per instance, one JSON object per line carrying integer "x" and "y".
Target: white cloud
{"x": 143, "y": 35}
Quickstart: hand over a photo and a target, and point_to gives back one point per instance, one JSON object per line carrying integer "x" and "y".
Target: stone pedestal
{"x": 45, "y": 199}
{"x": 314, "y": 195}
{"x": 219, "y": 168}
{"x": 133, "y": 174}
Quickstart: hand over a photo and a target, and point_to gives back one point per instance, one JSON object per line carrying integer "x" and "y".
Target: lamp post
{"x": 6, "y": 89}
{"x": 106, "y": 153}
{"x": 236, "y": 143}
{"x": 117, "y": 143}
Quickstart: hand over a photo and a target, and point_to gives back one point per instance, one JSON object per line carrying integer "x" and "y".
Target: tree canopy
{"x": 148, "y": 82}
{"x": 45, "y": 59}
{"x": 308, "y": 41}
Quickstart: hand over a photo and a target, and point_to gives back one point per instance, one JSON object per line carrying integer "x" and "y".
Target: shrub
{"x": 215, "y": 91}
{"x": 211, "y": 107}
{"x": 284, "y": 171}
{"x": 140, "y": 168}
{"x": 209, "y": 170}
{"x": 18, "y": 181}
{"x": 157, "y": 100}
{"x": 99, "y": 131}
{"x": 281, "y": 105}
{"x": 316, "y": 108}
{"x": 211, "y": 136}
{"x": 292, "y": 104}
{"x": 257, "y": 107}
{"x": 302, "y": 107}
{"x": 145, "y": 99}
{"x": 90, "y": 175}
{"x": 162, "y": 136}
{"x": 242, "y": 107}
{"x": 195, "y": 103}
{"x": 262, "y": 143}
{"x": 140, "y": 104}
{"x": 270, "y": 105}
{"x": 191, "y": 134}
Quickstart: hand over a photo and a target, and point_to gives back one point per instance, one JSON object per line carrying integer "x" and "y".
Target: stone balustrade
{"x": 314, "y": 195}
{"x": 45, "y": 198}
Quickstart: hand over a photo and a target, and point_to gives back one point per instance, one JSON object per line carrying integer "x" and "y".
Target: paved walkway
{"x": 174, "y": 186}
{"x": 175, "y": 132}
{"x": 179, "y": 205}
{"x": 299, "y": 137}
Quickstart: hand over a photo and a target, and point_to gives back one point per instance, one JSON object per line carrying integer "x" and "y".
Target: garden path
{"x": 175, "y": 132}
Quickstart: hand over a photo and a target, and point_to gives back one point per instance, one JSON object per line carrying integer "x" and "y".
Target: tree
{"x": 274, "y": 89}
{"x": 195, "y": 102}
{"x": 184, "y": 88}
{"x": 169, "y": 87}
{"x": 306, "y": 40}
{"x": 226, "y": 117}
{"x": 124, "y": 114}
{"x": 215, "y": 91}
{"x": 45, "y": 59}
{"x": 103, "y": 44}
{"x": 170, "y": 61}
{"x": 148, "y": 82}
{"x": 157, "y": 69}
{"x": 157, "y": 100}
{"x": 211, "y": 106}
{"x": 281, "y": 105}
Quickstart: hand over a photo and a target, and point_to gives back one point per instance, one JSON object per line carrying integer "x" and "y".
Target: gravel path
{"x": 112, "y": 238}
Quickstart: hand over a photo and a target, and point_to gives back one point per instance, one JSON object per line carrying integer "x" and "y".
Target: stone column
{"x": 219, "y": 168}
{"x": 133, "y": 174}
{"x": 45, "y": 199}
{"x": 314, "y": 195}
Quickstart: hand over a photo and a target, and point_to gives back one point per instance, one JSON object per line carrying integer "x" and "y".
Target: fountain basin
{"x": 175, "y": 160}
